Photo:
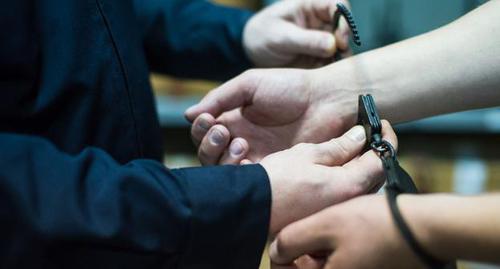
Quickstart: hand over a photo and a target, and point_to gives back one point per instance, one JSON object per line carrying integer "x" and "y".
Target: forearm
{"x": 452, "y": 227}
{"x": 454, "y": 68}
{"x": 138, "y": 215}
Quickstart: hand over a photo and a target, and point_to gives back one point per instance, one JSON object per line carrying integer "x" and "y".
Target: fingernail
{"x": 204, "y": 125}
{"x": 329, "y": 43}
{"x": 216, "y": 137}
{"x": 236, "y": 148}
{"x": 357, "y": 134}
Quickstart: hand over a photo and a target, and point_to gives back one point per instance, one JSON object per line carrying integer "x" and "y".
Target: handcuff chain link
{"x": 384, "y": 149}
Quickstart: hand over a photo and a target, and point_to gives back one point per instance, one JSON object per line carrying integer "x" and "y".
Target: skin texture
{"x": 451, "y": 69}
{"x": 332, "y": 237}
{"x": 274, "y": 121}
{"x": 335, "y": 236}
{"x": 295, "y": 33}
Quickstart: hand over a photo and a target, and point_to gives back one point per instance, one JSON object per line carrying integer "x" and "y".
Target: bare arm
{"x": 454, "y": 227}
{"x": 449, "y": 227}
{"x": 454, "y": 68}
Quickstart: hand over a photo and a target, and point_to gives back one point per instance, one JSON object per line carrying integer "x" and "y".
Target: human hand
{"x": 359, "y": 233}
{"x": 295, "y": 33}
{"x": 268, "y": 111}
{"x": 310, "y": 177}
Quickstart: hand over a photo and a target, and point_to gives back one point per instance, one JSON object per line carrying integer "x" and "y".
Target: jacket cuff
{"x": 230, "y": 213}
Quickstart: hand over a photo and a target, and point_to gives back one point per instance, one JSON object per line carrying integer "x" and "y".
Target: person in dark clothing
{"x": 81, "y": 179}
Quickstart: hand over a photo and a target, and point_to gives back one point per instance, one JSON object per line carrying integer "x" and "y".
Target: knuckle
{"x": 279, "y": 39}
{"x": 248, "y": 81}
{"x": 249, "y": 74}
{"x": 339, "y": 149}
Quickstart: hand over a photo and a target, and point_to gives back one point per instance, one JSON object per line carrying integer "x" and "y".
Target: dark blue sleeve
{"x": 193, "y": 38}
{"x": 87, "y": 211}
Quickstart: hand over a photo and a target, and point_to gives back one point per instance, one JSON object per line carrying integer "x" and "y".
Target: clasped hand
{"x": 295, "y": 33}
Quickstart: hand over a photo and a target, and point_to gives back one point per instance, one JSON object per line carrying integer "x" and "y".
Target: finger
{"x": 200, "y": 127}
{"x": 300, "y": 238}
{"x": 388, "y": 134}
{"x": 340, "y": 150}
{"x": 339, "y": 260}
{"x": 346, "y": 53}
{"x": 308, "y": 41}
{"x": 237, "y": 150}
{"x": 235, "y": 93}
{"x": 368, "y": 167}
{"x": 342, "y": 35}
{"x": 213, "y": 145}
{"x": 308, "y": 262}
{"x": 246, "y": 162}
{"x": 325, "y": 10}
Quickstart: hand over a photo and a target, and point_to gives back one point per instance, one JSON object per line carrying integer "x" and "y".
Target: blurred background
{"x": 451, "y": 153}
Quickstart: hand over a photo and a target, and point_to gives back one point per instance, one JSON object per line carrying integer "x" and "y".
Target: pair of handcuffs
{"x": 398, "y": 181}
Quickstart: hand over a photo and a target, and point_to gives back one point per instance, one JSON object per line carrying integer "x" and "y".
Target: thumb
{"x": 233, "y": 94}
{"x": 339, "y": 151}
{"x": 306, "y": 236}
{"x": 309, "y": 42}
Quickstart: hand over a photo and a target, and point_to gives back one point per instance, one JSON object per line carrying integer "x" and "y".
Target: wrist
{"x": 334, "y": 88}
{"x": 364, "y": 74}
{"x": 423, "y": 216}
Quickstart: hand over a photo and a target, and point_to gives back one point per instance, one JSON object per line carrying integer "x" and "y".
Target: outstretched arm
{"x": 440, "y": 221}
{"x": 454, "y": 68}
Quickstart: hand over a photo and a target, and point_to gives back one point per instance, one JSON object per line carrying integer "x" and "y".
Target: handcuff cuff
{"x": 398, "y": 181}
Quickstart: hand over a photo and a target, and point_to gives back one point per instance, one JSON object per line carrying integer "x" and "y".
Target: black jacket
{"x": 81, "y": 179}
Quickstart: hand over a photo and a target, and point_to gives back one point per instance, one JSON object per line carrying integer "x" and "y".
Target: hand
{"x": 295, "y": 33}
{"x": 310, "y": 177}
{"x": 356, "y": 234}
{"x": 268, "y": 111}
